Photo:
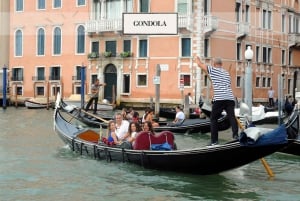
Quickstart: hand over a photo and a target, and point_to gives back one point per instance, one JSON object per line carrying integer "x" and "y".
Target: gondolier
{"x": 95, "y": 95}
{"x": 223, "y": 97}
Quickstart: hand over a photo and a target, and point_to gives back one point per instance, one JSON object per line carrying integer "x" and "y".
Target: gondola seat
{"x": 144, "y": 140}
{"x": 89, "y": 135}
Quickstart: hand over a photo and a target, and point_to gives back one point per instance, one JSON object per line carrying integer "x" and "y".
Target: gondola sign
{"x": 150, "y": 23}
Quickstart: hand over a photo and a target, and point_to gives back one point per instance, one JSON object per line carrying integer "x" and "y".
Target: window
{"x": 186, "y": 80}
{"x": 206, "y": 47}
{"x": 40, "y": 90}
{"x": 18, "y": 43}
{"x": 238, "y": 12}
{"x": 128, "y": 5}
{"x": 19, "y": 90}
{"x": 95, "y": 46}
{"x": 283, "y": 23}
{"x": 247, "y": 14}
{"x": 126, "y": 84}
{"x": 56, "y": 3}
{"x": 182, "y": 7}
{"x": 186, "y": 47}
{"x": 238, "y": 81}
{"x": 257, "y": 54}
{"x": 206, "y": 7}
{"x": 290, "y": 58}
{"x": 77, "y": 89}
{"x": 266, "y": 19}
{"x": 113, "y": 9}
{"x": 55, "y": 89}
{"x": 257, "y": 82}
{"x": 41, "y": 4}
{"x": 267, "y": 55}
{"x": 282, "y": 57}
{"x": 54, "y": 73}
{"x": 41, "y": 42}
{"x": 238, "y": 51}
{"x": 290, "y": 87}
{"x": 80, "y": 40}
{"x": 144, "y": 6}
{"x": 19, "y": 5}
{"x": 111, "y": 46}
{"x": 141, "y": 80}
{"x": 263, "y": 81}
{"x": 268, "y": 82}
{"x": 57, "y": 41}
{"x": 80, "y": 2}
{"x": 143, "y": 48}
{"x": 78, "y": 73}
{"x": 127, "y": 45}
{"x": 40, "y": 73}
{"x": 17, "y": 74}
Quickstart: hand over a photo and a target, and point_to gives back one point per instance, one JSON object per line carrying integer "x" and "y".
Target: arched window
{"x": 41, "y": 42}
{"x": 80, "y": 40}
{"x": 57, "y": 41}
{"x": 18, "y": 43}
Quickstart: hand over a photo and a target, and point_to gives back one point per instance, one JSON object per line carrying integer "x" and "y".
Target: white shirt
{"x": 180, "y": 116}
{"x": 122, "y": 129}
{"x": 191, "y": 100}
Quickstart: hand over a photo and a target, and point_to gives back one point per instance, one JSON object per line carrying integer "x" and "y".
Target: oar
{"x": 97, "y": 117}
{"x": 263, "y": 161}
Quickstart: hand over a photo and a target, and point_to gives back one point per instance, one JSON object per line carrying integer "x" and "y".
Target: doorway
{"x": 110, "y": 78}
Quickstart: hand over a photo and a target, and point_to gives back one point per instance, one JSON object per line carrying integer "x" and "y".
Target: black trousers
{"x": 95, "y": 99}
{"x": 271, "y": 102}
{"x": 217, "y": 108}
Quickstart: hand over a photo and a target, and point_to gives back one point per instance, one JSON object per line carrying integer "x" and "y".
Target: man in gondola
{"x": 223, "y": 97}
{"x": 95, "y": 95}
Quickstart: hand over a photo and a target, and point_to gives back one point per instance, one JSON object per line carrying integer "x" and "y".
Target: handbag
{"x": 164, "y": 147}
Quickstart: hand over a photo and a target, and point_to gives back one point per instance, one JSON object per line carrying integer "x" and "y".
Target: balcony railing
{"x": 76, "y": 78}
{"x": 242, "y": 29}
{"x": 17, "y": 78}
{"x": 210, "y": 24}
{"x": 185, "y": 21}
{"x": 38, "y": 78}
{"x": 294, "y": 39}
{"x": 54, "y": 77}
{"x": 103, "y": 25}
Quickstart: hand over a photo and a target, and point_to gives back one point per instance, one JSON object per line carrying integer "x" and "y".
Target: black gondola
{"x": 203, "y": 160}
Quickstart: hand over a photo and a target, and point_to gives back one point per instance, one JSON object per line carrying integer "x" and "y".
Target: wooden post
{"x": 157, "y": 90}
{"x": 48, "y": 94}
{"x": 186, "y": 106}
{"x": 16, "y": 96}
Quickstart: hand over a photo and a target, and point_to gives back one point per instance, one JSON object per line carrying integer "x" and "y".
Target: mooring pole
{"x": 82, "y": 92}
{"x": 4, "y": 87}
{"x": 156, "y": 81}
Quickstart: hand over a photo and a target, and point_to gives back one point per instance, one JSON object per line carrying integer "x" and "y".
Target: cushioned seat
{"x": 144, "y": 139}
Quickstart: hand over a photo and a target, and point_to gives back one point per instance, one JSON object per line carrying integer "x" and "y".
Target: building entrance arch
{"x": 110, "y": 78}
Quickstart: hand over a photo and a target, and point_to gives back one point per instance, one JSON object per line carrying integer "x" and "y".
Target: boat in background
{"x": 38, "y": 103}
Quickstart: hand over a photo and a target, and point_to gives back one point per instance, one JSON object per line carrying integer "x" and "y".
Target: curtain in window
{"x": 57, "y": 41}
{"x": 41, "y": 74}
{"x": 80, "y": 2}
{"x": 182, "y": 6}
{"x": 41, "y": 4}
{"x": 19, "y": 5}
{"x": 19, "y": 43}
{"x": 57, "y": 3}
{"x": 143, "y": 48}
{"x": 41, "y": 42}
{"x": 144, "y": 6}
{"x": 186, "y": 47}
{"x": 80, "y": 39}
{"x": 113, "y": 9}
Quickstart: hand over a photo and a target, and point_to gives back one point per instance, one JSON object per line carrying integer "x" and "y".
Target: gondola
{"x": 34, "y": 104}
{"x": 170, "y": 113}
{"x": 203, "y": 160}
{"x": 194, "y": 126}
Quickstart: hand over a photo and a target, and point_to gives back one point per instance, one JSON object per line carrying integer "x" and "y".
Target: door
{"x": 110, "y": 78}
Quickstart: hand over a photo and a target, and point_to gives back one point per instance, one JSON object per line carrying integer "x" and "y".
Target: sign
{"x": 156, "y": 80}
{"x": 181, "y": 83}
{"x": 150, "y": 24}
{"x": 164, "y": 67}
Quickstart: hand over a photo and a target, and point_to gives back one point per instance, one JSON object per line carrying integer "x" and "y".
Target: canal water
{"x": 36, "y": 165}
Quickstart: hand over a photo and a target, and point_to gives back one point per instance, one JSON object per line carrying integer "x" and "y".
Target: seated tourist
{"x": 133, "y": 130}
{"x": 180, "y": 116}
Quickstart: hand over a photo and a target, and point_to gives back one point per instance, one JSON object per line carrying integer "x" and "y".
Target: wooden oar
{"x": 95, "y": 116}
{"x": 263, "y": 161}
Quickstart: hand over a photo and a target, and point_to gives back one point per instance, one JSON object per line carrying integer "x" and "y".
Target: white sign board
{"x": 156, "y": 80}
{"x": 164, "y": 67}
{"x": 150, "y": 24}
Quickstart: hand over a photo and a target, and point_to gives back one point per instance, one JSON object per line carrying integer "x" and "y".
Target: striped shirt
{"x": 221, "y": 83}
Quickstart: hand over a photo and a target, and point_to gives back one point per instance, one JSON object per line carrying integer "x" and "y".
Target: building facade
{"x": 48, "y": 51}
